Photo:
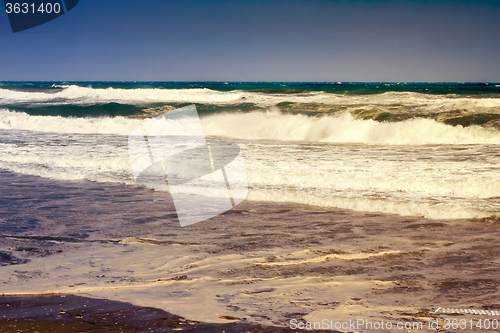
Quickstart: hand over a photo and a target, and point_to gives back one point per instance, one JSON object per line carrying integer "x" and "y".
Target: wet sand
{"x": 70, "y": 313}
{"x": 267, "y": 263}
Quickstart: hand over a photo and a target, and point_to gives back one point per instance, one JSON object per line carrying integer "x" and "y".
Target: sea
{"x": 73, "y": 220}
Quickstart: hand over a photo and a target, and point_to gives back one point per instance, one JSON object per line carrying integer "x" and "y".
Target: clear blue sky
{"x": 289, "y": 40}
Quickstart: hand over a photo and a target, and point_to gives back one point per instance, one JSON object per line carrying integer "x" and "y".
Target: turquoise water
{"x": 418, "y": 149}
{"x": 74, "y": 99}
{"x": 451, "y": 103}
{"x": 465, "y": 88}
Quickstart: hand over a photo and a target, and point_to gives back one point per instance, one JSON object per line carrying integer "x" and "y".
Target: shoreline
{"x": 72, "y": 313}
{"x": 266, "y": 262}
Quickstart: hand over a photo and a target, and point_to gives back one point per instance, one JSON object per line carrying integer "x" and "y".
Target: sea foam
{"x": 73, "y": 94}
{"x": 273, "y": 125}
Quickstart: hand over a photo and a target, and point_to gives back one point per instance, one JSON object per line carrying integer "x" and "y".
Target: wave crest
{"x": 273, "y": 125}
{"x": 342, "y": 129}
{"x": 74, "y": 94}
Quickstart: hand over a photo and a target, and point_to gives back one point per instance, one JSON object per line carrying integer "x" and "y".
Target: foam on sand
{"x": 83, "y": 271}
{"x": 340, "y": 256}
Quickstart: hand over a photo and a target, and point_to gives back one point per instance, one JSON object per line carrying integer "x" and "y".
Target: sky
{"x": 287, "y": 40}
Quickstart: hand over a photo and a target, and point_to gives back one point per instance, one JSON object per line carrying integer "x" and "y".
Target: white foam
{"x": 273, "y": 125}
{"x": 84, "y": 95}
{"x": 342, "y": 256}
{"x": 329, "y": 177}
{"x": 70, "y": 167}
{"x": 10, "y": 120}
{"x": 398, "y": 176}
{"x": 145, "y": 276}
{"x": 73, "y": 94}
{"x": 342, "y": 129}
{"x": 438, "y": 210}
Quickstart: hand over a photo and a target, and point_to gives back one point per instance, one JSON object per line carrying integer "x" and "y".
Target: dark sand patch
{"x": 70, "y": 313}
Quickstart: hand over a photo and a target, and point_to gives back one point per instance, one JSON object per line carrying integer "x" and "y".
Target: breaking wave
{"x": 74, "y": 94}
{"x": 273, "y": 125}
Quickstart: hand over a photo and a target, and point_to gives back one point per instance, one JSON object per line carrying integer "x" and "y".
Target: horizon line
{"x": 229, "y": 81}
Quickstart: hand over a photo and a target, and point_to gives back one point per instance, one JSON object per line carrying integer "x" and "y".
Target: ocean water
{"x": 344, "y": 180}
{"x": 417, "y": 149}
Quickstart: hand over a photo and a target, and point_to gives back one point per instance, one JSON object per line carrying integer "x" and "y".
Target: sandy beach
{"x": 300, "y": 262}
